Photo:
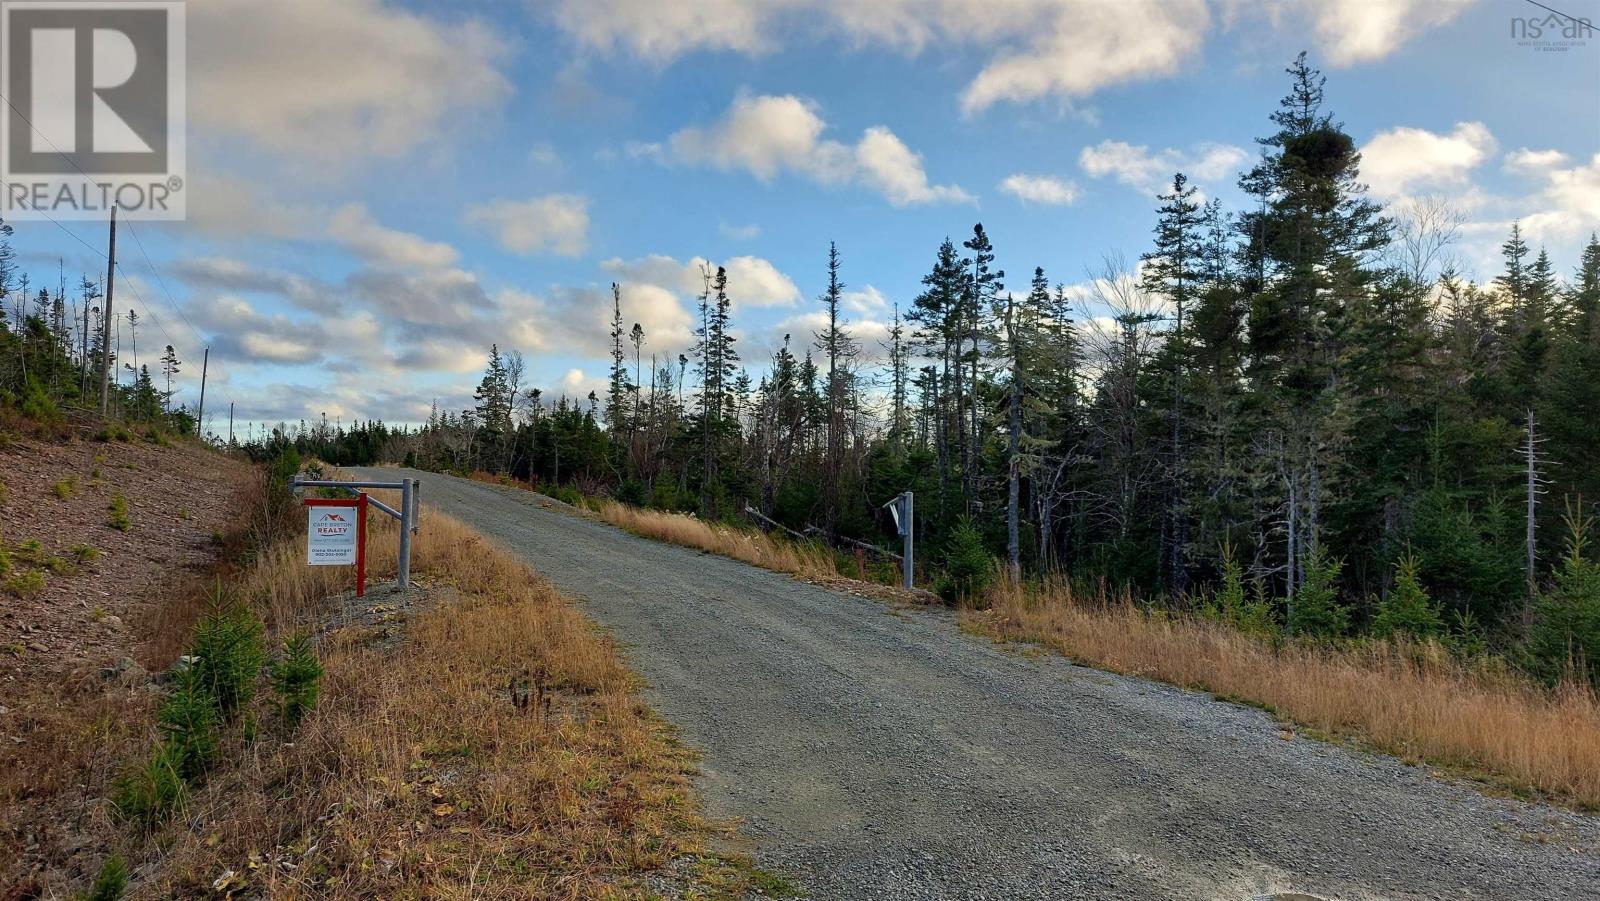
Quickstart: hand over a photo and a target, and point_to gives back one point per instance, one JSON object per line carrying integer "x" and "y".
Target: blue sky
{"x": 379, "y": 190}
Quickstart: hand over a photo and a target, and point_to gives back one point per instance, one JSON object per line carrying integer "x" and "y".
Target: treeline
{"x": 51, "y": 346}
{"x": 1291, "y": 402}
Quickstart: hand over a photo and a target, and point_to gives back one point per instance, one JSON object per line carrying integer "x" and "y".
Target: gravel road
{"x": 881, "y": 754}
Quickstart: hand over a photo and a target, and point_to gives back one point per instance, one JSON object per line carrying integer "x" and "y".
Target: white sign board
{"x": 331, "y": 536}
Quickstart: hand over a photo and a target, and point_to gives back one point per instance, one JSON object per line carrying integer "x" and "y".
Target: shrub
{"x": 296, "y": 680}
{"x": 1407, "y": 611}
{"x": 37, "y": 404}
{"x": 111, "y": 882}
{"x": 1315, "y": 611}
{"x": 118, "y": 508}
{"x": 84, "y": 553}
{"x": 967, "y": 566}
{"x": 188, "y": 723}
{"x": 228, "y": 652}
{"x": 57, "y": 565}
{"x": 65, "y": 488}
{"x": 113, "y": 433}
{"x": 1252, "y": 616}
{"x": 1566, "y": 634}
{"x": 150, "y": 791}
{"x": 25, "y": 584}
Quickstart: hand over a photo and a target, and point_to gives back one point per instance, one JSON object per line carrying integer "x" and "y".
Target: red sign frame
{"x": 359, "y": 502}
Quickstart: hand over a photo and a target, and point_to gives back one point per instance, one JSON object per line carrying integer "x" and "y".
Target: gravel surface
{"x": 875, "y": 753}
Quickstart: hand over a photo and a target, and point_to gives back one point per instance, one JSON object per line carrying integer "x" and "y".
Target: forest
{"x": 1298, "y": 404}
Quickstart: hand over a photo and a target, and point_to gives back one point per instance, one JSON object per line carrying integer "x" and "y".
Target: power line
{"x": 128, "y": 225}
{"x": 132, "y": 286}
{"x": 162, "y": 282}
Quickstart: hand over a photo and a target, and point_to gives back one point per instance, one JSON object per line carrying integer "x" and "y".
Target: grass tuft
{"x": 757, "y": 548}
{"x": 25, "y": 584}
{"x": 111, "y": 882}
{"x": 1415, "y": 700}
{"x": 118, "y": 510}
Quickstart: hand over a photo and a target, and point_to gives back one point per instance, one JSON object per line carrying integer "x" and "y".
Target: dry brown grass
{"x": 491, "y": 748}
{"x": 751, "y": 547}
{"x": 1415, "y": 701}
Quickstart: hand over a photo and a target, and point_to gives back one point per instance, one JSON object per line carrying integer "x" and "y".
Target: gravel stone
{"x": 876, "y": 753}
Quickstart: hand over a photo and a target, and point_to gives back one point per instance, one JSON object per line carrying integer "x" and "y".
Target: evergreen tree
{"x": 1407, "y": 611}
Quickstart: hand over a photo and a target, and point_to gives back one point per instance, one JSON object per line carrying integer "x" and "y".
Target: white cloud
{"x": 544, "y": 153}
{"x": 353, "y": 227}
{"x": 887, "y": 164}
{"x": 1398, "y": 161}
{"x": 739, "y": 232}
{"x": 1362, "y": 31}
{"x": 1045, "y": 189}
{"x": 1534, "y": 161}
{"x": 1033, "y": 48}
{"x": 869, "y": 301}
{"x": 752, "y": 281}
{"x": 1028, "y": 49}
{"x": 1151, "y": 172}
{"x": 803, "y": 328}
{"x": 555, "y": 223}
{"x": 1568, "y": 194}
{"x": 337, "y": 81}
{"x": 765, "y": 135}
{"x": 1085, "y": 46}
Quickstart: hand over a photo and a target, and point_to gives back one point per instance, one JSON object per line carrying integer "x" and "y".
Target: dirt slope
{"x": 75, "y": 655}
{"x": 883, "y": 754}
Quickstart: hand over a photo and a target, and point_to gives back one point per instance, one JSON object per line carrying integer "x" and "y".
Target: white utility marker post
{"x": 904, "y": 511}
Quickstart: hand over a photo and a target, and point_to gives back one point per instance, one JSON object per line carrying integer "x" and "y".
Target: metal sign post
{"x": 904, "y": 512}
{"x": 406, "y": 515}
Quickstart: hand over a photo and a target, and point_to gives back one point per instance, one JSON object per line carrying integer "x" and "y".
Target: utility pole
{"x": 200, "y": 416}
{"x": 105, "y": 338}
{"x": 230, "y": 423}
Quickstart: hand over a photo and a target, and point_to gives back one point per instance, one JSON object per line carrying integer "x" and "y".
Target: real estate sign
{"x": 331, "y": 536}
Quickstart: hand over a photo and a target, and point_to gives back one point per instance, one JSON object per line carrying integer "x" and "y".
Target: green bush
{"x": 228, "y": 652}
{"x": 25, "y": 584}
{"x": 1315, "y": 611}
{"x": 65, "y": 488}
{"x": 84, "y": 553}
{"x": 188, "y": 723}
{"x": 37, "y": 404}
{"x": 296, "y": 680}
{"x": 967, "y": 567}
{"x": 1407, "y": 611}
{"x": 1566, "y": 634}
{"x": 150, "y": 791}
{"x": 111, "y": 882}
{"x": 1252, "y": 615}
{"x": 664, "y": 495}
{"x": 118, "y": 510}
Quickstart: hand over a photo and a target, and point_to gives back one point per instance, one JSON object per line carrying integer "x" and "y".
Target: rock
{"x": 134, "y": 676}
{"x": 39, "y": 646}
{"x": 112, "y": 622}
{"x": 127, "y": 672}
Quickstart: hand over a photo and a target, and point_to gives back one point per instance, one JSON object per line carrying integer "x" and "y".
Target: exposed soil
{"x": 75, "y": 655}
{"x": 876, "y": 751}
